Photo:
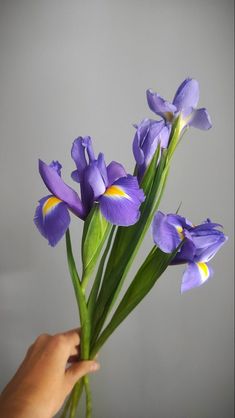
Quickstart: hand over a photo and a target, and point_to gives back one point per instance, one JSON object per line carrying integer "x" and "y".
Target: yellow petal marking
{"x": 115, "y": 191}
{"x": 169, "y": 116}
{"x": 204, "y": 270}
{"x": 180, "y": 232}
{"x": 50, "y": 204}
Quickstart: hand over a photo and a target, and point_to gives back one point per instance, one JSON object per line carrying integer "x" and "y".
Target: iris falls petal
{"x": 201, "y": 119}
{"x": 195, "y": 275}
{"x": 121, "y": 201}
{"x": 160, "y": 106}
{"x": 52, "y": 218}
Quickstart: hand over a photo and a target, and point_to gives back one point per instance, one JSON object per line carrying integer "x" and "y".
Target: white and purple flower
{"x": 117, "y": 192}
{"x": 184, "y": 102}
{"x": 200, "y": 244}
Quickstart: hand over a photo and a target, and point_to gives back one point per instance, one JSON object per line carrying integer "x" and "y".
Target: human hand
{"x": 43, "y": 380}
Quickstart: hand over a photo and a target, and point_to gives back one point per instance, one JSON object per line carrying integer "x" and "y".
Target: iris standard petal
{"x": 87, "y": 195}
{"x": 102, "y": 168}
{"x": 166, "y": 235}
{"x": 52, "y": 218}
{"x": 93, "y": 177}
{"x": 87, "y": 143}
{"x": 80, "y": 147}
{"x": 115, "y": 171}
{"x": 195, "y": 275}
{"x": 152, "y": 139}
{"x": 201, "y": 119}
{"x": 187, "y": 95}
{"x": 78, "y": 154}
{"x": 137, "y": 151}
{"x": 206, "y": 226}
{"x": 121, "y": 201}
{"x": 208, "y": 245}
{"x": 160, "y": 106}
{"x": 164, "y": 136}
{"x": 148, "y": 136}
{"x": 61, "y": 190}
{"x": 142, "y": 130}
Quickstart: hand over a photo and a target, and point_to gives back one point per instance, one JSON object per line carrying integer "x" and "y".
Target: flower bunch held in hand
{"x": 117, "y": 210}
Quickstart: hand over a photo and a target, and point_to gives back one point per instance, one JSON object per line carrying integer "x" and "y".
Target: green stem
{"x": 84, "y": 319}
{"x": 88, "y": 397}
{"x": 76, "y": 394}
{"x": 81, "y": 301}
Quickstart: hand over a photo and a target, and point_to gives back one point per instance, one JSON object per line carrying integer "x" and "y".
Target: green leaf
{"x": 98, "y": 277}
{"x": 128, "y": 240}
{"x": 126, "y": 245}
{"x": 95, "y": 231}
{"x": 150, "y": 271}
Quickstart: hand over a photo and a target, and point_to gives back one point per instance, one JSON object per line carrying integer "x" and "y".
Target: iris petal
{"x": 102, "y": 168}
{"x": 167, "y": 235}
{"x": 121, "y": 201}
{"x": 208, "y": 245}
{"x": 93, "y": 177}
{"x": 187, "y": 95}
{"x": 78, "y": 154}
{"x": 52, "y": 218}
{"x": 142, "y": 131}
{"x": 58, "y": 188}
{"x": 160, "y": 106}
{"x": 149, "y": 135}
{"x": 115, "y": 171}
{"x": 195, "y": 275}
{"x": 201, "y": 119}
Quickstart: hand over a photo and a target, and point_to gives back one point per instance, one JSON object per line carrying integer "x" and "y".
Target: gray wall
{"x": 72, "y": 68}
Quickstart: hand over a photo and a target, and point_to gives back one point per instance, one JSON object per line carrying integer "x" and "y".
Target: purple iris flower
{"x": 184, "y": 102}
{"x": 149, "y": 134}
{"x": 117, "y": 192}
{"x": 200, "y": 244}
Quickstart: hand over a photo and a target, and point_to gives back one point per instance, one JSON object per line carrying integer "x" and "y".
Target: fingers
{"x": 67, "y": 343}
{"x": 72, "y": 337}
{"x": 80, "y": 369}
{"x": 62, "y": 345}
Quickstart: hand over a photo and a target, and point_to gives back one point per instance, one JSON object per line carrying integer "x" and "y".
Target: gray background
{"x": 72, "y": 68}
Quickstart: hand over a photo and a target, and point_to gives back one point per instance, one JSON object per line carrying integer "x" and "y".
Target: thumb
{"x": 80, "y": 369}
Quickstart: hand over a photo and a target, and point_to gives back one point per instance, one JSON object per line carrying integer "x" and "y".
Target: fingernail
{"x": 95, "y": 366}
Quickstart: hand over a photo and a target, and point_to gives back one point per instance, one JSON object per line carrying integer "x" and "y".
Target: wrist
{"x": 18, "y": 408}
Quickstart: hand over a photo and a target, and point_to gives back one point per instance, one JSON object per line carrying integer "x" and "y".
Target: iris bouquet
{"x": 117, "y": 209}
